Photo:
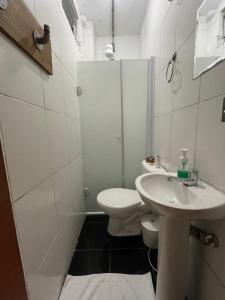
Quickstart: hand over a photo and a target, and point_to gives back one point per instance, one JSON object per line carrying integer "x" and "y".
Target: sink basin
{"x": 177, "y": 205}
{"x": 175, "y": 199}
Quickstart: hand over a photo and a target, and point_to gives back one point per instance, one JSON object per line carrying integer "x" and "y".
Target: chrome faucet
{"x": 192, "y": 179}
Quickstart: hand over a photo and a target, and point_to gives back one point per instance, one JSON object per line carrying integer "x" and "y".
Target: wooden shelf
{"x": 18, "y": 23}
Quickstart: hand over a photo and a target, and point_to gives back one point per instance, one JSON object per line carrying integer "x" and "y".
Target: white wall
{"x": 127, "y": 47}
{"x": 88, "y": 49}
{"x": 188, "y": 114}
{"x": 135, "y": 103}
{"x": 39, "y": 117}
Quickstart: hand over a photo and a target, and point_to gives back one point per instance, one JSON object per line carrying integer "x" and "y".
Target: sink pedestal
{"x": 173, "y": 257}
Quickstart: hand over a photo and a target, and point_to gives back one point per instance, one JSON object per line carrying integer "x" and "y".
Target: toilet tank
{"x": 147, "y": 168}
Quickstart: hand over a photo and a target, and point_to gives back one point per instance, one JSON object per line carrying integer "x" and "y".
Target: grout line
{"x": 211, "y": 98}
{"x": 43, "y": 180}
{"x": 186, "y": 106}
{"x": 21, "y": 100}
{"x": 180, "y": 108}
{"x": 213, "y": 271}
{"x": 184, "y": 42}
{"x": 59, "y": 113}
{"x": 47, "y": 252}
{"x": 12, "y": 98}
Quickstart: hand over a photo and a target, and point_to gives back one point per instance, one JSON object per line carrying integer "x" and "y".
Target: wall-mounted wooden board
{"x": 18, "y": 23}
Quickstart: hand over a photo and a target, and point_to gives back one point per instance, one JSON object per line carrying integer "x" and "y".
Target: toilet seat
{"x": 119, "y": 201}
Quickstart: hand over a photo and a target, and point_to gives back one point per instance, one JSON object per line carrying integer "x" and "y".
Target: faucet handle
{"x": 193, "y": 175}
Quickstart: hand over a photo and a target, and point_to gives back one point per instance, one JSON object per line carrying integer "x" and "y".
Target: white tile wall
{"x": 167, "y": 37}
{"x": 164, "y": 95}
{"x": 26, "y": 144}
{"x": 63, "y": 195}
{"x": 58, "y": 140}
{"x": 195, "y": 116}
{"x": 211, "y": 142}
{"x": 209, "y": 285}
{"x": 46, "y": 283}
{"x": 70, "y": 96}
{"x": 214, "y": 257}
{"x": 53, "y": 88}
{"x": 186, "y": 19}
{"x": 184, "y": 124}
{"x": 163, "y": 136}
{"x": 185, "y": 90}
{"x": 16, "y": 71}
{"x": 35, "y": 215}
{"x": 40, "y": 131}
{"x": 74, "y": 140}
{"x": 211, "y": 83}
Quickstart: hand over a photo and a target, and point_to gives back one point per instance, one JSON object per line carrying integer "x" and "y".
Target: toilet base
{"x": 150, "y": 230}
{"x": 117, "y": 227}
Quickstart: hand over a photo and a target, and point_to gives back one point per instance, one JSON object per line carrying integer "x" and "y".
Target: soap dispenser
{"x": 182, "y": 171}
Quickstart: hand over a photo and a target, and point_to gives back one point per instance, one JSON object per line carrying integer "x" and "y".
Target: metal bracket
{"x": 86, "y": 192}
{"x": 3, "y": 4}
{"x": 206, "y": 239}
{"x": 79, "y": 91}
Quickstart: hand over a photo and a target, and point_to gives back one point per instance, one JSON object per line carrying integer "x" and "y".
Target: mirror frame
{"x": 213, "y": 64}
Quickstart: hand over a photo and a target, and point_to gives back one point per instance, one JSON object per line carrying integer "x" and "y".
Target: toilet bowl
{"x": 125, "y": 207}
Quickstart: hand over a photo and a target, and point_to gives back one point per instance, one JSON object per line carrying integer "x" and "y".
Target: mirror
{"x": 210, "y": 36}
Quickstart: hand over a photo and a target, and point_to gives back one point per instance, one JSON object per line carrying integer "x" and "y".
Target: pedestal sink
{"x": 177, "y": 205}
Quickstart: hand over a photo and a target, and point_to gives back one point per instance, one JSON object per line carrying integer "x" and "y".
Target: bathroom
{"x": 97, "y": 200}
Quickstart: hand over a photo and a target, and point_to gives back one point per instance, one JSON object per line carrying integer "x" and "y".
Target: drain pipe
{"x": 207, "y": 239}
{"x": 113, "y": 25}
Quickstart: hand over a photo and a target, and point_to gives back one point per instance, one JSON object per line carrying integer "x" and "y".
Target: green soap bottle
{"x": 182, "y": 171}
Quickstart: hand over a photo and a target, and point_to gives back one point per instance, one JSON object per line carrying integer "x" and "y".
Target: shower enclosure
{"x": 116, "y": 111}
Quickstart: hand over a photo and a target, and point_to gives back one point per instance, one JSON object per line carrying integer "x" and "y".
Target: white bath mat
{"x": 108, "y": 287}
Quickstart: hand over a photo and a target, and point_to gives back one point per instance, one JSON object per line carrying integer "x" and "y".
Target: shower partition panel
{"x": 101, "y": 127}
{"x": 135, "y": 112}
{"x": 114, "y": 114}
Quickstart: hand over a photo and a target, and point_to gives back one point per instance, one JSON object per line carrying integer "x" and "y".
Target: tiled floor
{"x": 98, "y": 252}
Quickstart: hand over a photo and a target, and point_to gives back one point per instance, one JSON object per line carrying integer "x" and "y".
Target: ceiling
{"x": 129, "y": 15}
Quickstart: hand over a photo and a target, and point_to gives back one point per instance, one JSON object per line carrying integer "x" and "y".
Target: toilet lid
{"x": 119, "y": 198}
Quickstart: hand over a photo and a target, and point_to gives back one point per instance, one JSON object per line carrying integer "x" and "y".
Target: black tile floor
{"x": 99, "y": 252}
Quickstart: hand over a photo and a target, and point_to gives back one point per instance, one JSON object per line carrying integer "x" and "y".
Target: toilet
{"x": 125, "y": 208}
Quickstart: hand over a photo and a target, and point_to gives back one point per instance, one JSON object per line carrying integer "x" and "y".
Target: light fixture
{"x": 109, "y": 52}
